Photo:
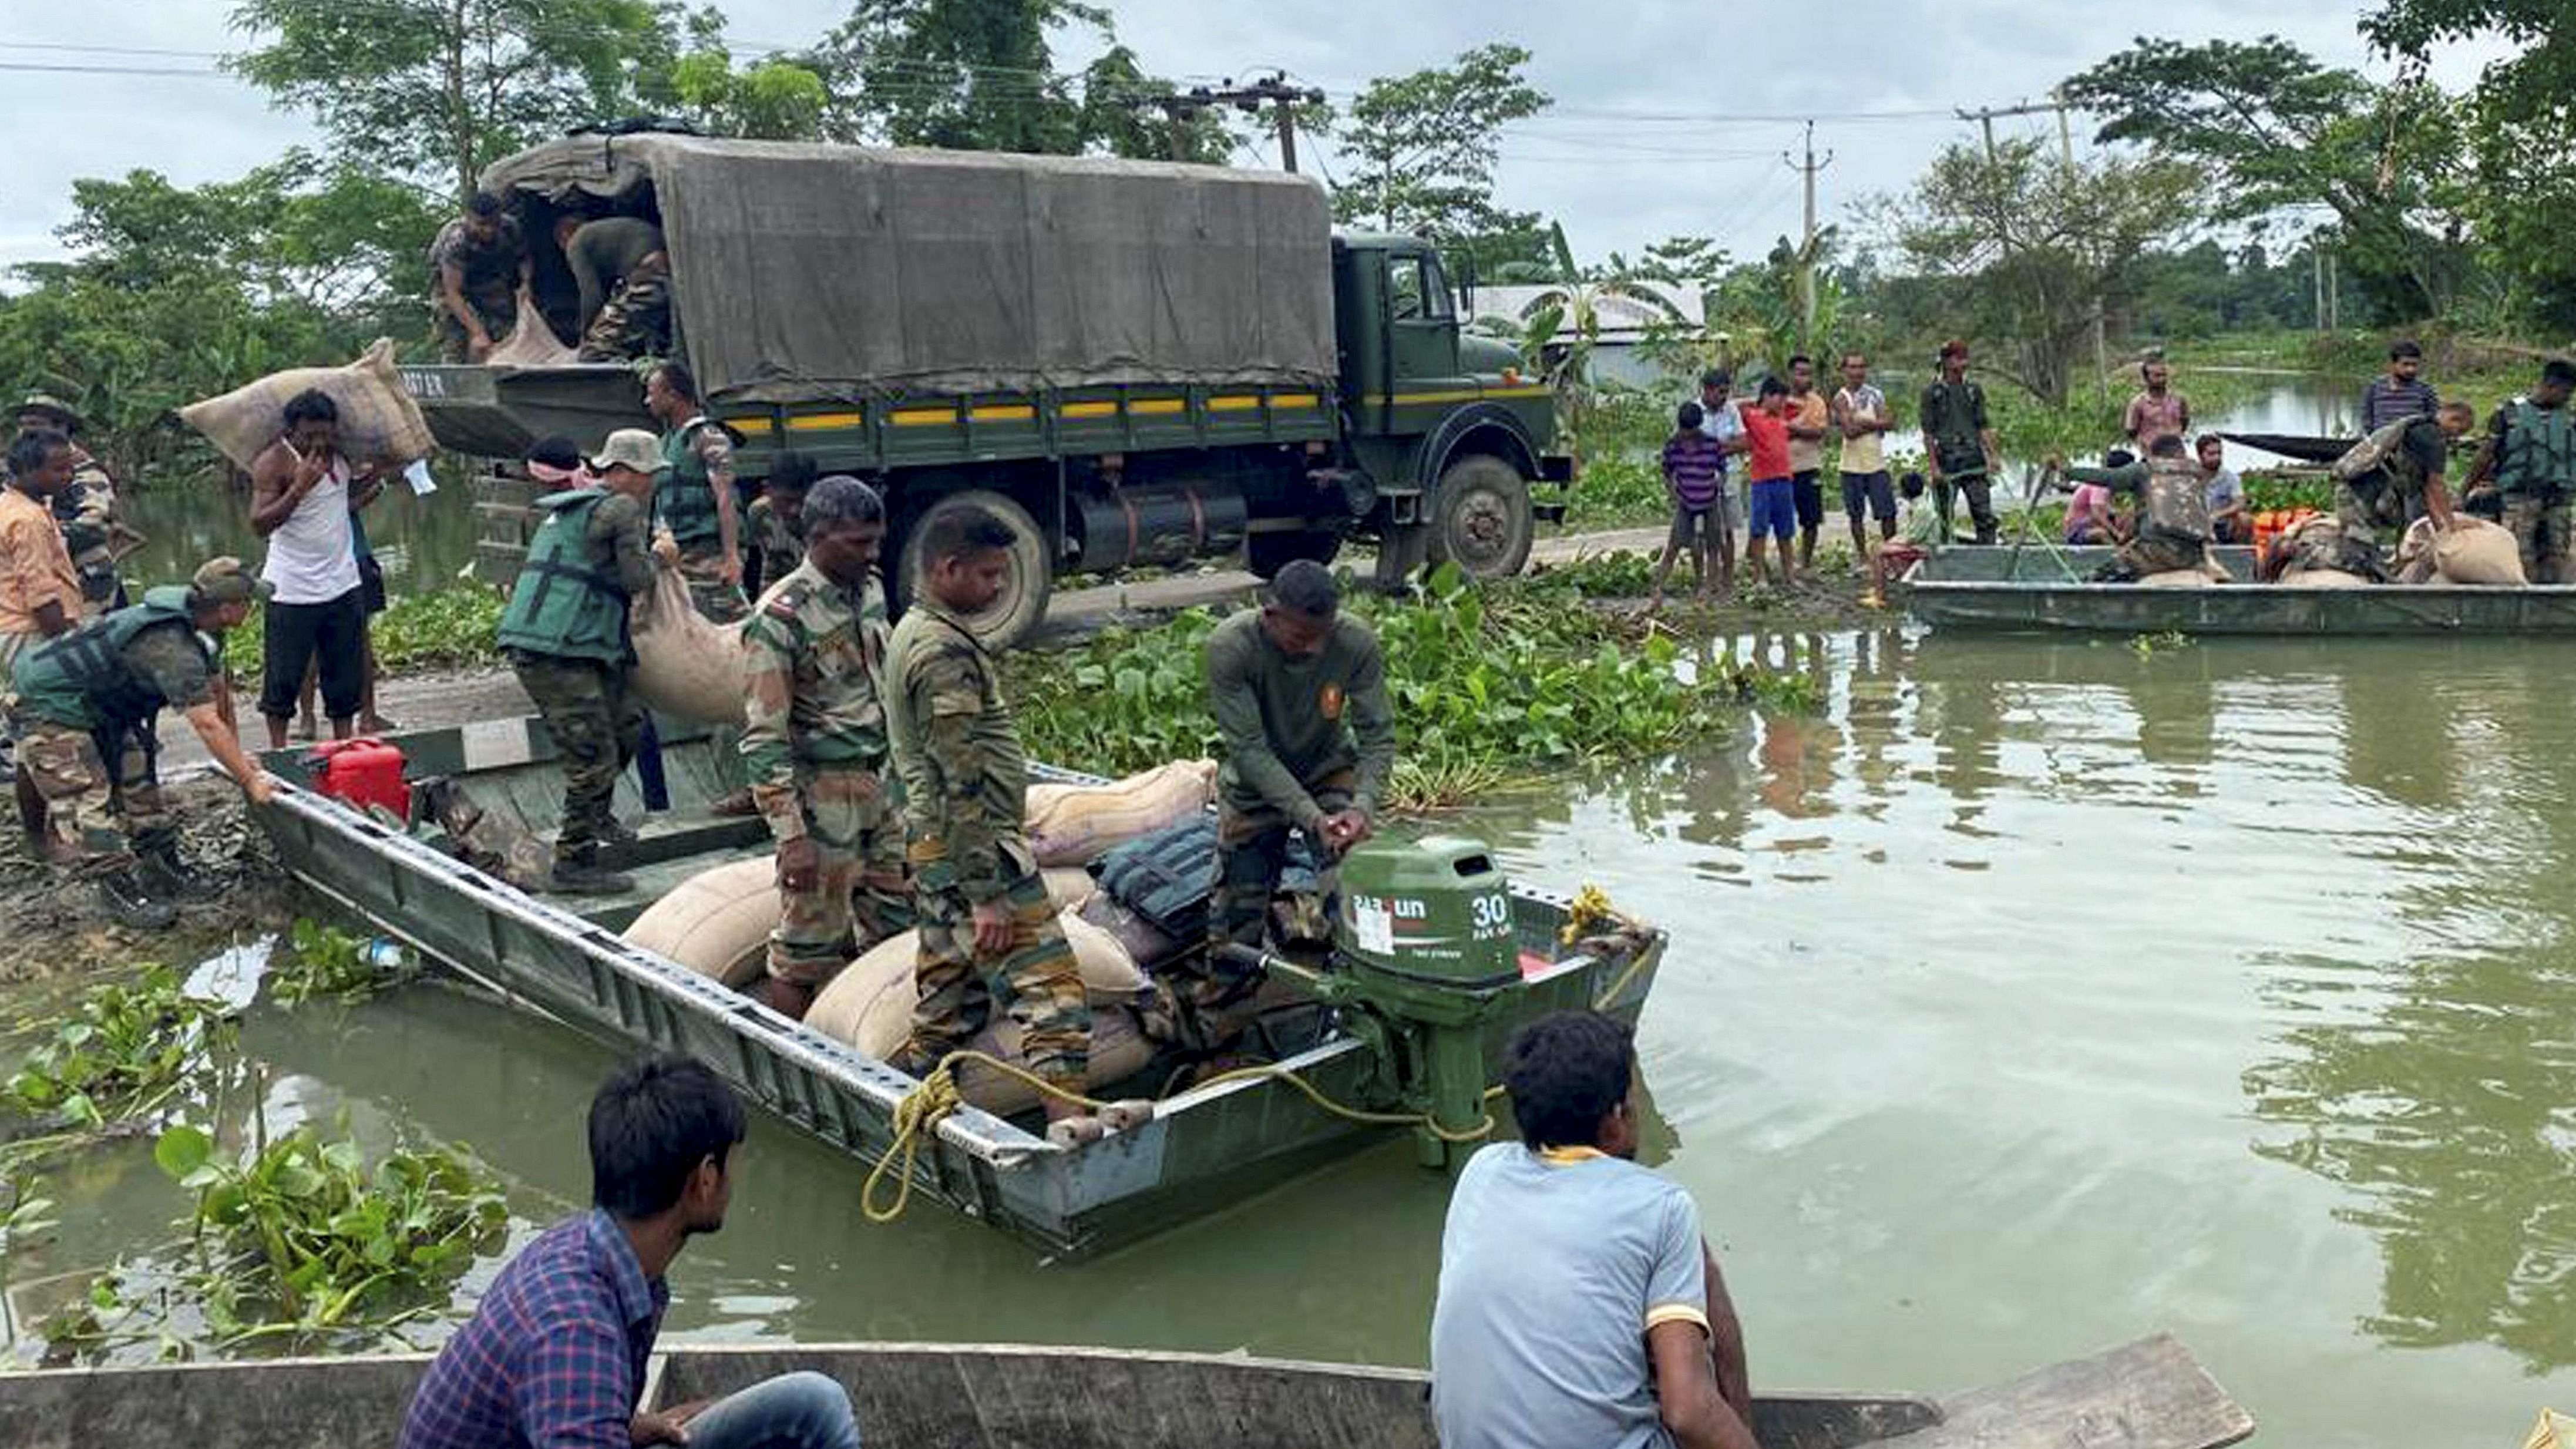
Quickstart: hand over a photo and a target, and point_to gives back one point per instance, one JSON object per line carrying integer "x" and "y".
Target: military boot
{"x": 129, "y": 905}
{"x": 170, "y": 878}
{"x": 586, "y": 878}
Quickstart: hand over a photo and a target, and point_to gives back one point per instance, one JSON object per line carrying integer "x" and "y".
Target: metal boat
{"x": 2035, "y": 587}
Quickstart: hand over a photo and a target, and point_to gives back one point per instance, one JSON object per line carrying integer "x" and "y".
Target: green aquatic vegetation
{"x": 2148, "y": 646}
{"x": 1619, "y": 574}
{"x": 125, "y": 1050}
{"x": 1121, "y": 701}
{"x": 453, "y": 627}
{"x": 301, "y": 1239}
{"x": 322, "y": 962}
{"x": 1616, "y": 488}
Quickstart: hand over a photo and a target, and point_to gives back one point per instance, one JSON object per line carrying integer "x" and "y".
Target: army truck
{"x": 1132, "y": 363}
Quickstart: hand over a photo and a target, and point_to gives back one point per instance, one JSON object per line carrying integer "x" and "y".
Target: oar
{"x": 2030, "y": 527}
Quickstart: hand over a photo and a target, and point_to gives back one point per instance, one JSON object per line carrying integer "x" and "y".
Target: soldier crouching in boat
{"x": 2173, "y": 516}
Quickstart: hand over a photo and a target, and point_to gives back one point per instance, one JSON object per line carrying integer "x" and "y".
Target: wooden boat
{"x": 2151, "y": 1394}
{"x": 1206, "y": 1146}
{"x": 2034, "y": 587}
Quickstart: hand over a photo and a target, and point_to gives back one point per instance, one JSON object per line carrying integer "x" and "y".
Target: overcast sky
{"x": 1667, "y": 118}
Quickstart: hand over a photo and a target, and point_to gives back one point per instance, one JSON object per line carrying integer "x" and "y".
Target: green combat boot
{"x": 169, "y": 878}
{"x": 586, "y": 878}
{"x": 129, "y": 905}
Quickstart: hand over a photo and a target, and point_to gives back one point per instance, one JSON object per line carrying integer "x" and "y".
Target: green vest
{"x": 565, "y": 603}
{"x": 2539, "y": 450}
{"x": 81, "y": 678}
{"x": 683, "y": 501}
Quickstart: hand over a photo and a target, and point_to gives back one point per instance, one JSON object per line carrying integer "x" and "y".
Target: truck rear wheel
{"x": 1481, "y": 518}
{"x": 1022, "y": 606}
{"x": 1267, "y": 553}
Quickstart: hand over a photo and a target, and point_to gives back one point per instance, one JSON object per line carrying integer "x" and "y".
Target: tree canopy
{"x": 1423, "y": 147}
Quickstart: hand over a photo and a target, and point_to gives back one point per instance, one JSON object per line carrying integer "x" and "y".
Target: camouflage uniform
{"x": 69, "y": 762}
{"x": 583, "y": 697}
{"x": 702, "y": 460}
{"x": 814, "y": 747}
{"x": 489, "y": 281}
{"x": 964, "y": 783}
{"x": 777, "y": 544}
{"x": 88, "y": 514}
{"x": 2376, "y": 505}
{"x": 2535, "y": 455}
{"x": 2320, "y": 544}
{"x": 636, "y": 319}
{"x": 2173, "y": 521}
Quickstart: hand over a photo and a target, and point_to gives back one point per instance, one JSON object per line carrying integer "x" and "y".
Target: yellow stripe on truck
{"x": 922, "y": 417}
{"x": 1088, "y": 410}
{"x": 1156, "y": 406}
{"x": 1004, "y": 413}
{"x": 1465, "y": 395}
{"x": 1237, "y": 404}
{"x": 824, "y": 422}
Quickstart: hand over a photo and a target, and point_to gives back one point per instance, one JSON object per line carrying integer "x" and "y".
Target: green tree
{"x": 439, "y": 88}
{"x": 776, "y": 99}
{"x": 2036, "y": 242}
{"x": 2277, "y": 130}
{"x": 981, "y": 75}
{"x": 1561, "y": 327}
{"x": 1423, "y": 146}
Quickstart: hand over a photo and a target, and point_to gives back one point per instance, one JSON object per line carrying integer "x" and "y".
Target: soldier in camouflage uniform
{"x": 775, "y": 519}
{"x": 693, "y": 500}
{"x": 813, "y": 662}
{"x": 2318, "y": 545}
{"x": 2529, "y": 458}
{"x": 565, "y": 631}
{"x": 92, "y": 524}
{"x": 989, "y": 936}
{"x": 2173, "y": 515}
{"x": 87, "y": 702}
{"x": 2405, "y": 482}
{"x": 635, "y": 321}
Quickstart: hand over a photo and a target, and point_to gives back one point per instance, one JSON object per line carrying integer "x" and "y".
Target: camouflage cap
{"x": 227, "y": 581}
{"x": 632, "y": 448}
{"x": 53, "y": 407}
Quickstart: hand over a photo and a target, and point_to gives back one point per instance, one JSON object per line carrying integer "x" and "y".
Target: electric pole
{"x": 1275, "y": 92}
{"x": 1179, "y": 109}
{"x": 1807, "y": 250}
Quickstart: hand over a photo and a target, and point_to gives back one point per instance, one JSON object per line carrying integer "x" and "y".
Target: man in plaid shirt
{"x": 554, "y": 1356}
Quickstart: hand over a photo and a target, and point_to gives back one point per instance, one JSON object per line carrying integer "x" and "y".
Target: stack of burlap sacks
{"x": 718, "y": 924}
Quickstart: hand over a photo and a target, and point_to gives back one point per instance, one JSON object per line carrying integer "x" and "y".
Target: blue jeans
{"x": 791, "y": 1411}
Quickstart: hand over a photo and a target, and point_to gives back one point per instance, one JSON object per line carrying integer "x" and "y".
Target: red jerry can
{"x": 362, "y": 772}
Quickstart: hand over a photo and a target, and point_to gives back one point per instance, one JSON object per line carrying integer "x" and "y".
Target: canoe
{"x": 2034, "y": 588}
{"x": 1207, "y": 1145}
{"x": 2150, "y": 1394}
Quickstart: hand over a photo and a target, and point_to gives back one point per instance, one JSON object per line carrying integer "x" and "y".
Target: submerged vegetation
{"x": 320, "y": 962}
{"x": 126, "y": 1050}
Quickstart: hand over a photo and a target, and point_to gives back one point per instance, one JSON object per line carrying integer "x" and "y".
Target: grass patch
{"x": 453, "y": 628}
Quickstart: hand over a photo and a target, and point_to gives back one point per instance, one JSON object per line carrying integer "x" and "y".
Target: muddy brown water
{"x": 2030, "y": 996}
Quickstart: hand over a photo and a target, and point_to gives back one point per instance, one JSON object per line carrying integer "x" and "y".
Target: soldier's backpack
{"x": 2372, "y": 451}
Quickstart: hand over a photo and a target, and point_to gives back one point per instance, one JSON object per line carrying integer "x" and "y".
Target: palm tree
{"x": 1562, "y": 325}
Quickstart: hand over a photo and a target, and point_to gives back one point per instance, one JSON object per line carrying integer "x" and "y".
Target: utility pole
{"x": 1179, "y": 109}
{"x": 2317, "y": 275}
{"x": 1275, "y": 92}
{"x": 1985, "y": 119}
{"x": 1807, "y": 249}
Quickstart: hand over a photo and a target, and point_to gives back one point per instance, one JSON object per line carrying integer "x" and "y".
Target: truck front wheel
{"x": 1025, "y": 588}
{"x": 1481, "y": 518}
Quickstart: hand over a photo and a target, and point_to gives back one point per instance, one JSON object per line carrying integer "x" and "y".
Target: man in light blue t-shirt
{"x": 1579, "y": 1307}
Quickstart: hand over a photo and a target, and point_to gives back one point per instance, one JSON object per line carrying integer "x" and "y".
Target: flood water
{"x": 2028, "y": 997}
{"x": 423, "y": 543}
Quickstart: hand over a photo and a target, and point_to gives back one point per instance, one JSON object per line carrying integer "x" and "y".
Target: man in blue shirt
{"x": 1578, "y": 1304}
{"x": 555, "y": 1354}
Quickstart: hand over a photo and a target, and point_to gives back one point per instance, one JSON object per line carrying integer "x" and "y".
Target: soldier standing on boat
{"x": 989, "y": 937}
{"x": 1959, "y": 444}
{"x": 566, "y": 633}
{"x": 1299, "y": 692}
{"x": 813, "y": 666}
{"x": 2529, "y": 460}
{"x": 2173, "y": 513}
{"x": 93, "y": 526}
{"x": 88, "y": 702}
{"x": 2394, "y": 476}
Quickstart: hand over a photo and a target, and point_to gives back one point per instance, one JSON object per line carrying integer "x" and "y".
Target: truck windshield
{"x": 1416, "y": 291}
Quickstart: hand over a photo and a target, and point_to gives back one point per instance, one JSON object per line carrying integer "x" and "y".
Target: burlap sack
{"x": 717, "y": 922}
{"x": 532, "y": 343}
{"x": 2478, "y": 554}
{"x": 2178, "y": 579}
{"x": 379, "y": 423}
{"x": 869, "y": 1006}
{"x": 2323, "y": 579}
{"x": 1076, "y": 824}
{"x": 686, "y": 666}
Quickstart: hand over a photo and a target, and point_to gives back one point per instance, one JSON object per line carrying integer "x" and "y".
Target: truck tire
{"x": 1481, "y": 518}
{"x": 1267, "y": 553}
{"x": 1023, "y": 604}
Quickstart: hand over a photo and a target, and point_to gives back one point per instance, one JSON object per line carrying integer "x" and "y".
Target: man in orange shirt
{"x": 1810, "y": 418}
{"x": 40, "y": 594}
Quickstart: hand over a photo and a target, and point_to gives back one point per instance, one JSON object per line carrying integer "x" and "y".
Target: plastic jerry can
{"x": 363, "y": 772}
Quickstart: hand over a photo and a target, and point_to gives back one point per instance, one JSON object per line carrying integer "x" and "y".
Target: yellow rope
{"x": 1484, "y": 1120}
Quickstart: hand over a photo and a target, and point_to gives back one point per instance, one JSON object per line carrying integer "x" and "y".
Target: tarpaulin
{"x": 805, "y": 272}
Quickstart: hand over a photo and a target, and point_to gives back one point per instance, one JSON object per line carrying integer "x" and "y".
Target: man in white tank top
{"x": 299, "y": 502}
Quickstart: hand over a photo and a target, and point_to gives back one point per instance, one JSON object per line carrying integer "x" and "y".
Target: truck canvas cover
{"x": 807, "y": 272}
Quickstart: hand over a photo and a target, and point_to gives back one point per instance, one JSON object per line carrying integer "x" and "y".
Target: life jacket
{"x": 1167, "y": 877}
{"x": 564, "y": 604}
{"x": 81, "y": 678}
{"x": 2177, "y": 499}
{"x": 2539, "y": 449}
{"x": 2385, "y": 443}
{"x": 683, "y": 499}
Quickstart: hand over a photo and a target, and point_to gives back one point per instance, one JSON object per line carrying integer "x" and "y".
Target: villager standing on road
{"x": 1810, "y": 418}
{"x": 775, "y": 519}
{"x": 1718, "y": 420}
{"x": 2529, "y": 462}
{"x": 1959, "y": 444}
{"x": 300, "y": 502}
{"x": 813, "y": 668}
{"x": 1770, "y": 498}
{"x": 480, "y": 265}
{"x": 87, "y": 703}
{"x": 1578, "y": 1301}
{"x": 1860, "y": 414}
{"x": 93, "y": 525}
{"x": 567, "y": 637}
{"x": 2173, "y": 512}
{"x": 1299, "y": 693}
{"x": 555, "y": 1356}
{"x": 40, "y": 595}
{"x": 989, "y": 937}
{"x": 2158, "y": 411}
{"x": 694, "y": 501}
